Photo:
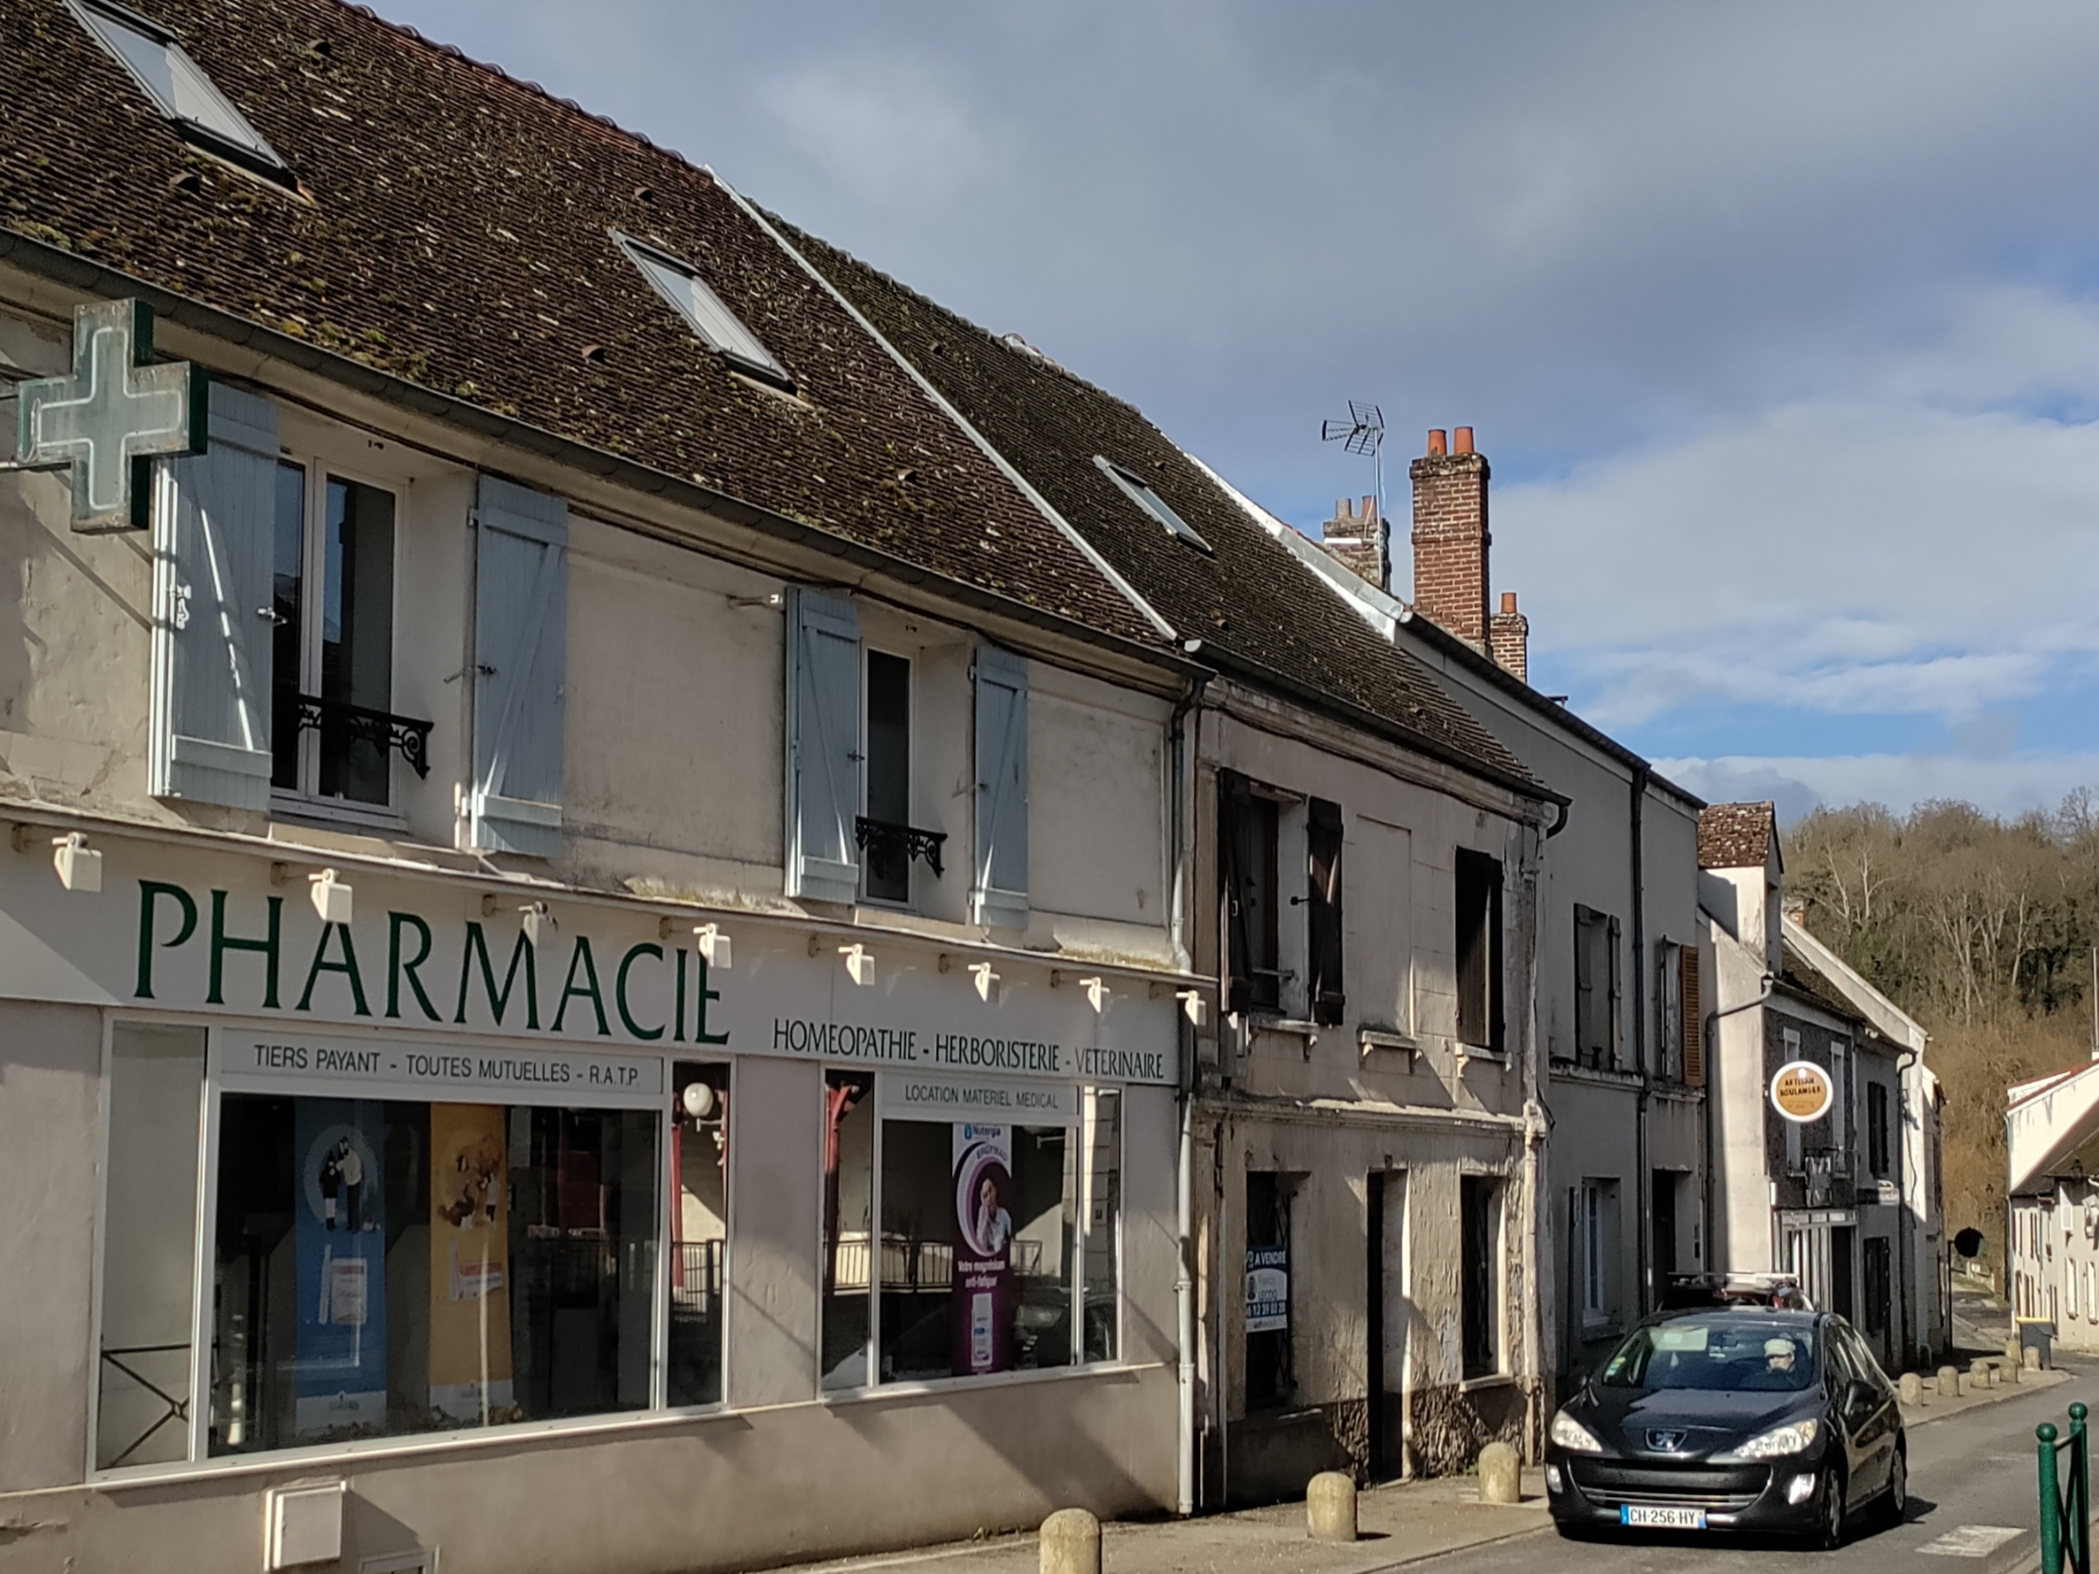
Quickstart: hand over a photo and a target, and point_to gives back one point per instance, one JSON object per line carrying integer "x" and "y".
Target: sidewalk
{"x": 1933, "y": 1408}
{"x": 1400, "y": 1524}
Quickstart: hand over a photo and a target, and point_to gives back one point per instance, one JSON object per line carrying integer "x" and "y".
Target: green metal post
{"x": 2051, "y": 1502}
{"x": 2077, "y": 1509}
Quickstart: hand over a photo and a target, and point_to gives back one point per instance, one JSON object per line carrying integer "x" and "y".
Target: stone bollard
{"x": 2011, "y": 1351}
{"x": 2030, "y": 1358}
{"x": 1330, "y": 1507}
{"x": 2011, "y": 1370}
{"x": 1501, "y": 1474}
{"x": 1949, "y": 1383}
{"x": 1978, "y": 1374}
{"x": 1071, "y": 1543}
{"x": 1912, "y": 1389}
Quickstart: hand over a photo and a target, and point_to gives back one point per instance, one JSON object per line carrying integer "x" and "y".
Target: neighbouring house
{"x": 1831, "y": 1175}
{"x": 1362, "y": 865}
{"x": 592, "y": 971}
{"x": 2052, "y": 1212}
{"x": 1618, "y": 991}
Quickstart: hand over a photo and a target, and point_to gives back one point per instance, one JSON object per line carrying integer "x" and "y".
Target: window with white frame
{"x": 398, "y": 1264}
{"x": 1600, "y": 1237}
{"x": 177, "y": 85}
{"x": 1796, "y": 1162}
{"x": 332, "y": 728}
{"x": 963, "y": 1249}
{"x": 1481, "y": 1223}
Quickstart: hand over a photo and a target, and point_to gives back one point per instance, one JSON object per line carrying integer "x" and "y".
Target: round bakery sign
{"x": 1802, "y": 1091}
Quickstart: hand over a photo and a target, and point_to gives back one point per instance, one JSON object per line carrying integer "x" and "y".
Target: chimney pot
{"x": 1462, "y": 440}
{"x": 1370, "y": 508}
{"x": 1508, "y": 601}
{"x": 1437, "y": 441}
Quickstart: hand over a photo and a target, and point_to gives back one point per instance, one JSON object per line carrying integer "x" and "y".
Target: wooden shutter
{"x": 520, "y": 673}
{"x": 1323, "y": 836}
{"x": 1234, "y": 804}
{"x": 1585, "y": 1035}
{"x": 214, "y": 563}
{"x": 1000, "y": 894}
{"x": 1617, "y": 1021}
{"x": 823, "y": 747}
{"x": 1693, "y": 1011}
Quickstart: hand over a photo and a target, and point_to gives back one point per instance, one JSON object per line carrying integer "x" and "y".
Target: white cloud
{"x": 1799, "y": 783}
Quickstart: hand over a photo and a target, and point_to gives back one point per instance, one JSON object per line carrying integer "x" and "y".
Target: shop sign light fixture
{"x": 79, "y": 865}
{"x": 1097, "y": 993}
{"x": 331, "y": 897}
{"x": 859, "y": 963}
{"x": 1193, "y": 1006}
{"x": 539, "y": 923}
{"x": 986, "y": 980}
{"x": 714, "y": 946}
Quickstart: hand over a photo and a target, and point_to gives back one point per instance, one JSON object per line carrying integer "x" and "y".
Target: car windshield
{"x": 1728, "y": 1355}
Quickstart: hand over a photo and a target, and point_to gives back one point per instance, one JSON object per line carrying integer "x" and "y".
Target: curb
{"x": 1988, "y": 1397}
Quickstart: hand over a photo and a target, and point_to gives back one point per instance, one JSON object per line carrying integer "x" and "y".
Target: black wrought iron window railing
{"x": 342, "y": 724}
{"x": 891, "y": 847}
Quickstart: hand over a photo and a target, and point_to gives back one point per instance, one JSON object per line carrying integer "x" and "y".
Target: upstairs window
{"x": 887, "y": 776}
{"x": 1480, "y": 1011}
{"x": 703, "y": 311}
{"x": 1596, "y": 989}
{"x": 332, "y": 612}
{"x": 1877, "y": 1128}
{"x": 1151, "y": 502}
{"x": 1249, "y": 830}
{"x": 177, "y": 85}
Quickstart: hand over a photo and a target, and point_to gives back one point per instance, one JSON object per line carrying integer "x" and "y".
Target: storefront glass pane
{"x": 386, "y": 1268}
{"x": 1100, "y": 1150}
{"x": 978, "y": 1260}
{"x": 149, "y": 1245}
{"x": 699, "y": 1162}
{"x": 849, "y": 1154}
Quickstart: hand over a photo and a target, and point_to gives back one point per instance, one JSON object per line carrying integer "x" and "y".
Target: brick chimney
{"x": 1360, "y": 542}
{"x": 1450, "y": 536}
{"x": 1509, "y": 639}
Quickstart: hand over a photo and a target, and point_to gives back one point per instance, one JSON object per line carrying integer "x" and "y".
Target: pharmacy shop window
{"x": 378, "y": 1263}
{"x": 964, "y": 1247}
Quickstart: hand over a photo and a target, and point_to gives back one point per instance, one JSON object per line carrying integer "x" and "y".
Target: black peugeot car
{"x": 1730, "y": 1420}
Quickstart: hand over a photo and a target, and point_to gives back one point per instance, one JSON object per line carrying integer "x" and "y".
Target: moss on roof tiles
{"x": 455, "y": 231}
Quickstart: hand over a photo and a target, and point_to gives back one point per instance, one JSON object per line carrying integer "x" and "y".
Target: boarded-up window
{"x": 1479, "y": 950}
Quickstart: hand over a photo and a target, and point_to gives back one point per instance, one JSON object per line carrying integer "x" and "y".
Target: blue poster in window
{"x": 340, "y": 1250}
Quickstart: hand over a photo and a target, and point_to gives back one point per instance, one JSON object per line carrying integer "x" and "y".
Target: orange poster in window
{"x": 469, "y": 1263}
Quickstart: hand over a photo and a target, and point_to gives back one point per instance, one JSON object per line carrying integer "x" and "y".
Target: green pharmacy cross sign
{"x": 115, "y": 414}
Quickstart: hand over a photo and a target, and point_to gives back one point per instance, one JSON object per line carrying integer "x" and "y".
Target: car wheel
{"x": 1897, "y": 1504}
{"x": 1829, "y": 1526}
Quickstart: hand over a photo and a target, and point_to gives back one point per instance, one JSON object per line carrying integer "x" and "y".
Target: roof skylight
{"x": 176, "y": 84}
{"x": 1151, "y": 502}
{"x": 703, "y": 310}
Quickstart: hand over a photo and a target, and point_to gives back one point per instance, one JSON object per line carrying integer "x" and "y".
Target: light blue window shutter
{"x": 213, "y": 560}
{"x": 521, "y": 670}
{"x": 1000, "y": 893}
{"x": 823, "y": 747}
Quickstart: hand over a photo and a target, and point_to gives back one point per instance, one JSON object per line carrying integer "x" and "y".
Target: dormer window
{"x": 703, "y": 311}
{"x": 178, "y": 86}
{"x": 1151, "y": 502}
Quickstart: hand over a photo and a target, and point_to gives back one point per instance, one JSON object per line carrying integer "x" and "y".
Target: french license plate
{"x": 1661, "y": 1518}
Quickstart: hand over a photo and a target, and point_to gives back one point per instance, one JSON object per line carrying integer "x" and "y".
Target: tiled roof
{"x": 1805, "y": 979}
{"x": 1249, "y": 599}
{"x": 455, "y": 232}
{"x": 1735, "y": 835}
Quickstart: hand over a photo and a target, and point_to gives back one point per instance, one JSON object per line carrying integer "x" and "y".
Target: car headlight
{"x": 1792, "y": 1438}
{"x": 1571, "y": 1434}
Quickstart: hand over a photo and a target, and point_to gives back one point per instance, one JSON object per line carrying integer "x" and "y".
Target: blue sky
{"x": 1780, "y": 324}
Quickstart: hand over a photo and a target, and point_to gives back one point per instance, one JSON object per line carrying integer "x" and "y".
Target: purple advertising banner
{"x": 982, "y": 1297}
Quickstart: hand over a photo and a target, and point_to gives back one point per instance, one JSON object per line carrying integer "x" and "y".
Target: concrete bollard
{"x": 2011, "y": 1351}
{"x": 1949, "y": 1383}
{"x": 1330, "y": 1507}
{"x": 1912, "y": 1387}
{"x": 2012, "y": 1369}
{"x": 1071, "y": 1543}
{"x": 1501, "y": 1474}
{"x": 2030, "y": 1358}
{"x": 1978, "y": 1374}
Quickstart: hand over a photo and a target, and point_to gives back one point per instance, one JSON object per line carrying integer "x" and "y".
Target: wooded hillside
{"x": 1982, "y": 929}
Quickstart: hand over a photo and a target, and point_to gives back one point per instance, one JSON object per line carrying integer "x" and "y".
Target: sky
{"x": 1778, "y": 324}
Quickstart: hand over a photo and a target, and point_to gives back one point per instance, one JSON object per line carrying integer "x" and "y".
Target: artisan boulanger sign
{"x": 113, "y": 416}
{"x": 1802, "y": 1091}
{"x": 265, "y": 955}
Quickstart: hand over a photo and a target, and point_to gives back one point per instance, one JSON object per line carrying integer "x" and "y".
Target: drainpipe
{"x": 1903, "y": 1062}
{"x": 1535, "y": 1125}
{"x": 1642, "y": 1181}
{"x": 1180, "y": 744}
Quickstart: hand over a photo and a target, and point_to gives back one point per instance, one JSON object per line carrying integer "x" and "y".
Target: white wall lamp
{"x": 859, "y": 963}
{"x": 1097, "y": 993}
{"x": 1193, "y": 1006}
{"x": 985, "y": 980}
{"x": 331, "y": 898}
{"x": 79, "y": 865}
{"x": 714, "y": 946}
{"x": 539, "y": 923}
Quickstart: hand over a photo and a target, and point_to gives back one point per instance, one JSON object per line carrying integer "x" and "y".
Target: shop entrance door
{"x": 1390, "y": 1311}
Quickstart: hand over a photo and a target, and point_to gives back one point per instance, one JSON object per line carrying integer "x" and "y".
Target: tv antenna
{"x": 1363, "y": 433}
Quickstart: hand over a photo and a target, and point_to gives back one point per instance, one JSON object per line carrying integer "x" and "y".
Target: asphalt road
{"x": 1973, "y": 1476}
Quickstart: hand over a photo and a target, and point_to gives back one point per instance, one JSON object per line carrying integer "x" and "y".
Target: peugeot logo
{"x": 1667, "y": 1442}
